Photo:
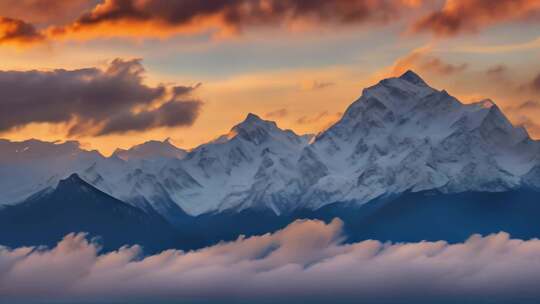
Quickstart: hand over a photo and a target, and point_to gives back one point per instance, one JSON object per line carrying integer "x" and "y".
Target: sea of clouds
{"x": 306, "y": 261}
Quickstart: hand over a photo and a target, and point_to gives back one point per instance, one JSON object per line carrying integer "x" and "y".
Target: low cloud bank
{"x": 305, "y": 261}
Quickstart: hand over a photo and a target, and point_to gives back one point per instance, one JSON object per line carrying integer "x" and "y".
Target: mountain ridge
{"x": 73, "y": 206}
{"x": 400, "y": 135}
{"x": 150, "y": 150}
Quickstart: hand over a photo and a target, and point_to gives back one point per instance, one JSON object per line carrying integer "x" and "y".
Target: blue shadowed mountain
{"x": 406, "y": 162}
{"x": 76, "y": 206}
{"x": 410, "y": 217}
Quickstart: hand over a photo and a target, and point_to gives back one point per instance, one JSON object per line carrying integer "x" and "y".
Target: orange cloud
{"x": 421, "y": 60}
{"x": 277, "y": 113}
{"x": 163, "y": 18}
{"x": 497, "y": 71}
{"x": 90, "y": 19}
{"x": 45, "y": 11}
{"x": 535, "y": 85}
{"x": 325, "y": 116}
{"x": 529, "y": 105}
{"x": 18, "y": 32}
{"x": 316, "y": 85}
{"x": 524, "y": 114}
{"x": 459, "y": 16}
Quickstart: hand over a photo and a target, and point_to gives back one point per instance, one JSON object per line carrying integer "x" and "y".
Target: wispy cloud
{"x": 280, "y": 113}
{"x": 497, "y": 70}
{"x": 498, "y": 48}
{"x": 322, "y": 116}
{"x": 423, "y": 60}
{"x": 529, "y": 105}
{"x": 317, "y": 85}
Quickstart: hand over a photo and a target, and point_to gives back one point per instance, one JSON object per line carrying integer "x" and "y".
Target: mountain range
{"x": 75, "y": 206}
{"x": 402, "y": 146}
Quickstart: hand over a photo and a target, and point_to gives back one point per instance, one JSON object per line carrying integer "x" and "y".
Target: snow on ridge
{"x": 400, "y": 135}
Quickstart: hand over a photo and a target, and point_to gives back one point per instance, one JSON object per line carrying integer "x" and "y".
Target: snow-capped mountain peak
{"x": 254, "y": 129}
{"x": 29, "y": 166}
{"x": 398, "y": 94}
{"x": 401, "y": 135}
{"x": 253, "y": 121}
{"x": 258, "y": 131}
{"x": 151, "y": 150}
{"x": 73, "y": 179}
{"x": 413, "y": 78}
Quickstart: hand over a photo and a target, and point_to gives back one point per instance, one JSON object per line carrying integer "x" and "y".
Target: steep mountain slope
{"x": 75, "y": 206}
{"x": 400, "y": 136}
{"x": 404, "y": 135}
{"x": 146, "y": 184}
{"x": 408, "y": 217}
{"x": 29, "y": 166}
{"x": 222, "y": 174}
{"x": 433, "y": 216}
{"x": 247, "y": 166}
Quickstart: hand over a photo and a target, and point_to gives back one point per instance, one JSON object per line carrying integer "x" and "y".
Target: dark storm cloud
{"x": 94, "y": 101}
{"x": 305, "y": 262}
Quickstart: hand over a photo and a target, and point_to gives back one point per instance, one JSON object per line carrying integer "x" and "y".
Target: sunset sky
{"x": 115, "y": 73}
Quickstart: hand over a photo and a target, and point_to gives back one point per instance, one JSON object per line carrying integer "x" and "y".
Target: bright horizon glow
{"x": 301, "y": 73}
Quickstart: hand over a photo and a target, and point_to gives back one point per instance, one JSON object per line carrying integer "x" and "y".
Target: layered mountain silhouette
{"x": 76, "y": 206}
{"x": 405, "y": 162}
{"x": 409, "y": 217}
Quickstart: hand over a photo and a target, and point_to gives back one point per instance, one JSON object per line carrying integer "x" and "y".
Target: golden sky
{"x": 115, "y": 73}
